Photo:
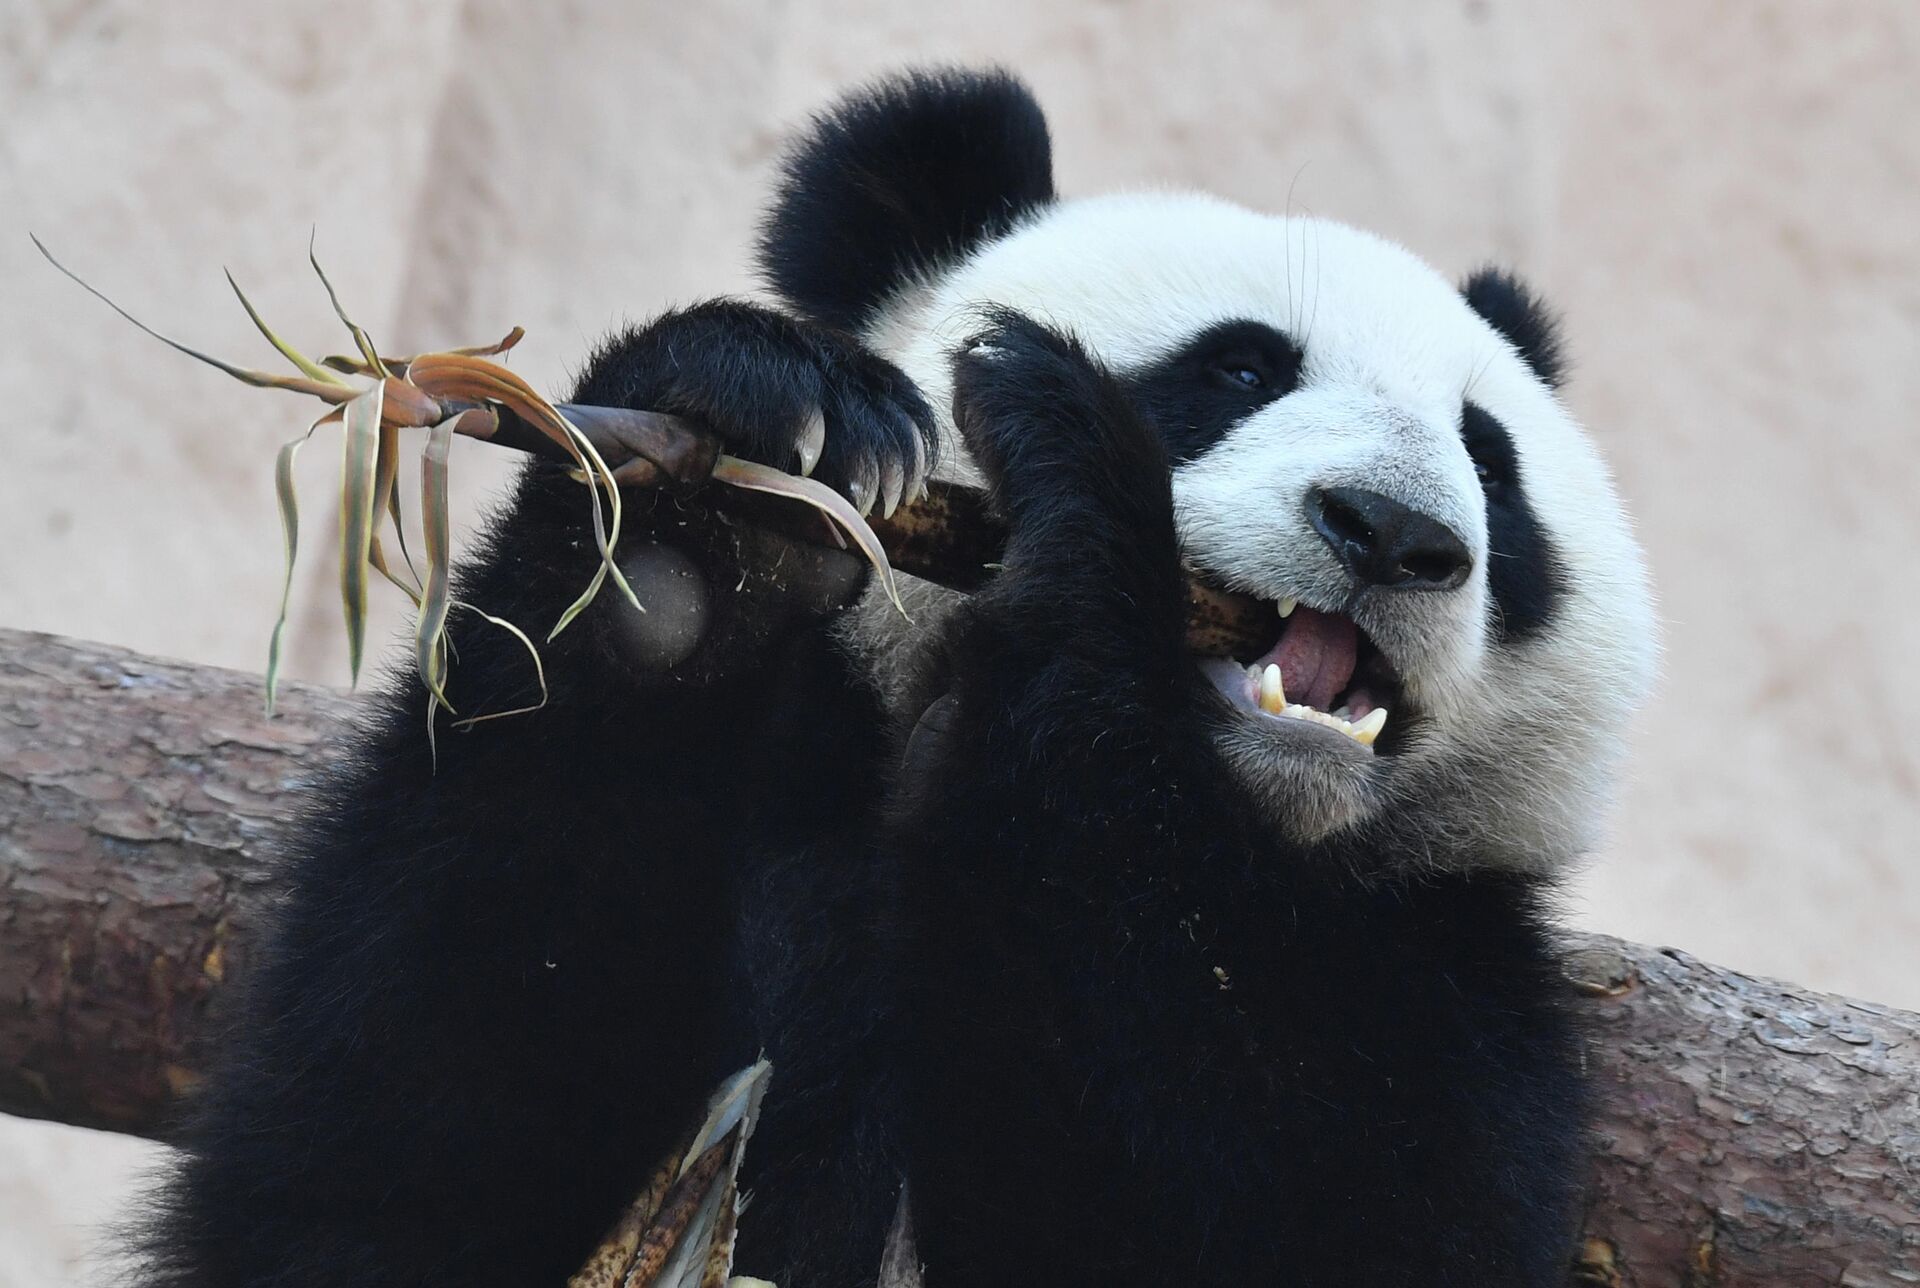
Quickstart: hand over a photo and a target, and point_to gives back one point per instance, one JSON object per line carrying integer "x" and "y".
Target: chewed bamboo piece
{"x": 949, "y": 536}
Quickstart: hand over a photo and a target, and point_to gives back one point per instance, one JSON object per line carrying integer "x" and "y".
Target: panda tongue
{"x": 1316, "y": 655}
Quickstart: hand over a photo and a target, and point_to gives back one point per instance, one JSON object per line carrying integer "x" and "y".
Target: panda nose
{"x": 1384, "y": 543}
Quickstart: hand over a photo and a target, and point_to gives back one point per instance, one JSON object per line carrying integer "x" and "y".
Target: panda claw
{"x": 812, "y": 442}
{"x": 861, "y": 485}
{"x": 917, "y": 480}
{"x": 892, "y": 484}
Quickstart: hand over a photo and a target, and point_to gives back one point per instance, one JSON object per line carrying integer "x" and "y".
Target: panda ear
{"x": 902, "y": 178}
{"x": 1522, "y": 317}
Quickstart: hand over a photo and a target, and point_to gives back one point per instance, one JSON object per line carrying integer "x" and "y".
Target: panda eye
{"x": 1238, "y": 373}
{"x": 1489, "y": 448}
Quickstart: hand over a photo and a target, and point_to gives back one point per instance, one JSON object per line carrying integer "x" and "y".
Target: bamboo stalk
{"x": 949, "y": 536}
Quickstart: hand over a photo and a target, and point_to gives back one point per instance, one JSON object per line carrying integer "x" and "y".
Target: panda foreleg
{"x": 1150, "y": 1041}
{"x": 508, "y": 970}
{"x": 1043, "y": 816}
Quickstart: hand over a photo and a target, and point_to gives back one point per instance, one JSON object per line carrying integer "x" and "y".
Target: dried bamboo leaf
{"x": 679, "y": 1235}
{"x": 735, "y": 1101}
{"x": 454, "y": 375}
{"x": 357, "y": 366}
{"x": 307, "y": 366}
{"x": 458, "y": 375}
{"x": 407, "y": 407}
{"x": 678, "y": 1231}
{"x": 331, "y": 391}
{"x": 498, "y": 347}
{"x": 731, "y": 1114}
{"x": 358, "y": 465}
{"x": 386, "y": 497}
{"x": 763, "y": 478}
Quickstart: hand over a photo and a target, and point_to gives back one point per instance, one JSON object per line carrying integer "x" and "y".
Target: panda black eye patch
{"x": 1524, "y": 573}
{"x": 1215, "y": 380}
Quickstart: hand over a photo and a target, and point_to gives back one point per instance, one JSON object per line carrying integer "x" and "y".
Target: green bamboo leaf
{"x": 289, "y": 500}
{"x": 361, "y": 339}
{"x": 307, "y": 366}
{"x": 762, "y": 478}
{"x": 539, "y": 672}
{"x": 606, "y": 535}
{"x": 358, "y": 466}
{"x": 330, "y": 391}
{"x": 430, "y": 624}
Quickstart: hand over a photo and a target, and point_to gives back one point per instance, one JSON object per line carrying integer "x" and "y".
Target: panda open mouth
{"x": 1322, "y": 671}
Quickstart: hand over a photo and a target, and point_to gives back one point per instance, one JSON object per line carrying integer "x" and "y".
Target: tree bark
{"x": 138, "y": 798}
{"x": 1750, "y": 1132}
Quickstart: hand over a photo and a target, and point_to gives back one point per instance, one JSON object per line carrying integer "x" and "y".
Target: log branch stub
{"x": 137, "y": 800}
{"x": 1751, "y": 1132}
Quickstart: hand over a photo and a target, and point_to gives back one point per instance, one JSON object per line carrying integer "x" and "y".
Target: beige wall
{"x": 1725, "y": 199}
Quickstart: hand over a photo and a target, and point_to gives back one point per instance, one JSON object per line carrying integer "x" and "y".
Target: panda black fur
{"x": 1137, "y": 984}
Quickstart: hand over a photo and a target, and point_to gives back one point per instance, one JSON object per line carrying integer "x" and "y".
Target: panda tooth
{"x": 1287, "y": 606}
{"x": 1369, "y": 728}
{"x": 1273, "y": 698}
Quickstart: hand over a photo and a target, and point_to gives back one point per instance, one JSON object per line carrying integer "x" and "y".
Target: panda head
{"x": 1378, "y": 452}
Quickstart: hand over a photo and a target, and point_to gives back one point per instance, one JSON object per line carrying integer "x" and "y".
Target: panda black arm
{"x": 500, "y": 985}
{"x": 1152, "y": 1041}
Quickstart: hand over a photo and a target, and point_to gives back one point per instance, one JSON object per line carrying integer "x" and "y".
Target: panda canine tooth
{"x": 1273, "y": 698}
{"x": 1287, "y": 606}
{"x": 1369, "y": 728}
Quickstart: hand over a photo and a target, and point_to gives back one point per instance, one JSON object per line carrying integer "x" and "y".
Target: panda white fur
{"x": 1135, "y": 982}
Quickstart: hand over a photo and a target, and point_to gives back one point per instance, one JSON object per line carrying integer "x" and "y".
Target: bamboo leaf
{"x": 398, "y": 366}
{"x": 289, "y": 501}
{"x": 330, "y": 391}
{"x": 761, "y": 478}
{"x": 307, "y": 366}
{"x": 361, "y": 339}
{"x": 430, "y": 623}
{"x": 358, "y": 466}
{"x": 457, "y": 375}
{"x": 539, "y": 671}
{"x": 453, "y": 375}
{"x": 499, "y": 346}
{"x": 357, "y": 366}
{"x": 607, "y": 535}
{"x": 386, "y": 497}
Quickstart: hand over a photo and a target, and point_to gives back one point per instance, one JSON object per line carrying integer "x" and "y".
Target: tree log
{"x": 1750, "y": 1133}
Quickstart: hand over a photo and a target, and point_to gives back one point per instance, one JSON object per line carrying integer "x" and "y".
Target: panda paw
{"x": 1054, "y": 431}
{"x": 778, "y": 391}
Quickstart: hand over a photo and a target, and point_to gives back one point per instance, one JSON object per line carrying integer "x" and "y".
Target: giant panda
{"x": 1125, "y": 967}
